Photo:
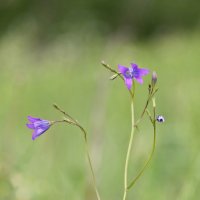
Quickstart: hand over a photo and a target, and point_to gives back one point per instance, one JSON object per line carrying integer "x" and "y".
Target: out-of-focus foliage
{"x": 140, "y": 18}
{"x": 68, "y": 72}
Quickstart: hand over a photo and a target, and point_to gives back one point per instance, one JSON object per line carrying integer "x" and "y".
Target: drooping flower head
{"x": 38, "y": 125}
{"x": 134, "y": 72}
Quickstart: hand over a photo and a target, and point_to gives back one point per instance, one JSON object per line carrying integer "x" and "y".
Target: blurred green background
{"x": 50, "y": 52}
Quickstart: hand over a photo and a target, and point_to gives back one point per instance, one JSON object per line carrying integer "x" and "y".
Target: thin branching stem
{"x": 152, "y": 151}
{"x": 71, "y": 120}
{"x": 151, "y": 95}
{"x": 129, "y": 151}
{"x": 152, "y": 91}
{"x": 89, "y": 160}
{"x": 63, "y": 112}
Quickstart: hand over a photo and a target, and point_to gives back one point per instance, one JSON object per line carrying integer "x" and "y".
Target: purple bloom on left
{"x": 38, "y": 125}
{"x": 134, "y": 72}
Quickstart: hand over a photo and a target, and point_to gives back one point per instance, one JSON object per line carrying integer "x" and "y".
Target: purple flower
{"x": 38, "y": 125}
{"x": 134, "y": 72}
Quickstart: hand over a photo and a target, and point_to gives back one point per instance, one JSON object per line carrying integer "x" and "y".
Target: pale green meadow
{"x": 68, "y": 72}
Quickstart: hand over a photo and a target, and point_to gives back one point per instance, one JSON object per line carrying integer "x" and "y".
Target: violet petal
{"x": 122, "y": 69}
{"x": 128, "y": 82}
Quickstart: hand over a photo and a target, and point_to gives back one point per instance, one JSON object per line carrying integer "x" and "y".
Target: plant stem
{"x": 152, "y": 151}
{"x": 129, "y": 150}
{"x": 71, "y": 120}
{"x": 63, "y": 112}
{"x": 151, "y": 95}
{"x": 146, "y": 164}
{"x": 89, "y": 160}
{"x": 144, "y": 110}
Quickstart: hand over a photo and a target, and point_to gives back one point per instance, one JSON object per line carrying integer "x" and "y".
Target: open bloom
{"x": 134, "y": 72}
{"x": 38, "y": 125}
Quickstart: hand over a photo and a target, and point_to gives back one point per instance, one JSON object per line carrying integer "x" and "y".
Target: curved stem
{"x": 146, "y": 164}
{"x": 74, "y": 122}
{"x": 63, "y": 112}
{"x": 89, "y": 160}
{"x": 151, "y": 95}
{"x": 144, "y": 110}
{"x": 128, "y": 151}
{"x": 152, "y": 151}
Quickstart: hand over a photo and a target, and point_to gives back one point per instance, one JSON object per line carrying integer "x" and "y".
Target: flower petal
{"x": 34, "y": 135}
{"x": 122, "y": 69}
{"x": 44, "y": 124}
{"x": 31, "y": 126}
{"x": 139, "y": 80}
{"x": 134, "y": 66}
{"x": 37, "y": 133}
{"x": 128, "y": 82}
{"x": 33, "y": 119}
{"x": 143, "y": 71}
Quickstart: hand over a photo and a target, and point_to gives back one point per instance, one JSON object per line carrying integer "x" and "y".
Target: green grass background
{"x": 68, "y": 72}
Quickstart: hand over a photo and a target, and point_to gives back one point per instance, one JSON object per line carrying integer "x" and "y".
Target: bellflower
{"x": 38, "y": 125}
{"x": 134, "y": 72}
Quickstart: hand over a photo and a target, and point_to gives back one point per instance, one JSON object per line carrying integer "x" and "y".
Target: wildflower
{"x": 160, "y": 118}
{"x": 38, "y": 125}
{"x": 134, "y": 72}
{"x": 154, "y": 78}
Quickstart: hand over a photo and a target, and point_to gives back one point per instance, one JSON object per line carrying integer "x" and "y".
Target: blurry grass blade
{"x": 108, "y": 67}
{"x": 114, "y": 76}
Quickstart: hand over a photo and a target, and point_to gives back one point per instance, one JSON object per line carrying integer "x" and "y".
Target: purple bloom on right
{"x": 134, "y": 72}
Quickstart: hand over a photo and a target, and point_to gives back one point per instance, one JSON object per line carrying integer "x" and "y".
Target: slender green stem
{"x": 151, "y": 95}
{"x": 89, "y": 160}
{"x": 144, "y": 110}
{"x": 146, "y": 164}
{"x": 63, "y": 112}
{"x": 109, "y": 68}
{"x": 72, "y": 121}
{"x": 128, "y": 151}
{"x": 87, "y": 152}
{"x": 152, "y": 151}
{"x": 149, "y": 115}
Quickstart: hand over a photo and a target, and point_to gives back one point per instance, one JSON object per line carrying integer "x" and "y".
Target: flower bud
{"x": 154, "y": 78}
{"x": 160, "y": 119}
